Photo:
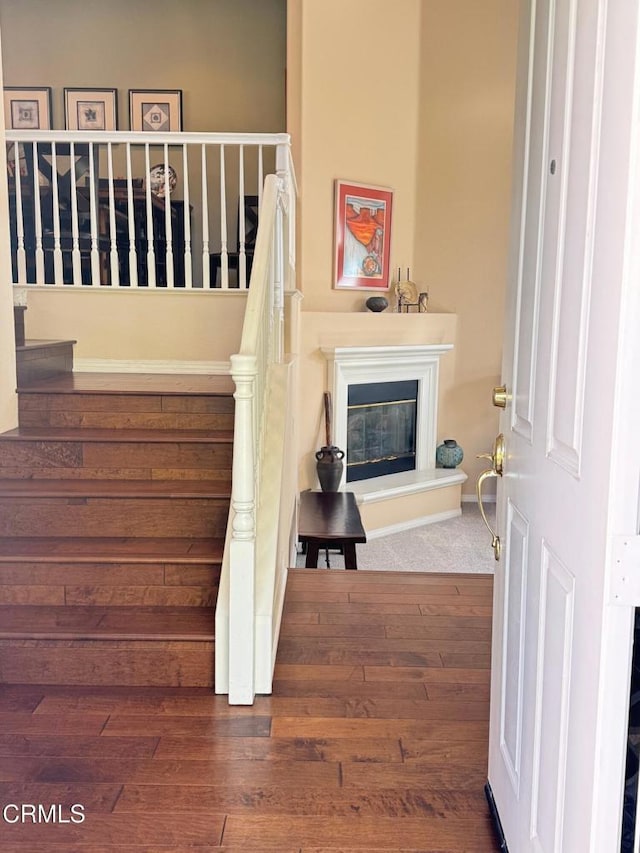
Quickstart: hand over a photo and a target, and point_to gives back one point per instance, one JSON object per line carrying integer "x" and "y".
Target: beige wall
{"x": 354, "y": 111}
{"x": 227, "y": 56}
{"x": 435, "y": 124}
{"x": 467, "y": 89}
{"x": 130, "y": 325}
{"x": 398, "y": 512}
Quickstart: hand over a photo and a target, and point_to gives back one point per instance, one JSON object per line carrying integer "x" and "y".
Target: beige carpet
{"x": 459, "y": 545}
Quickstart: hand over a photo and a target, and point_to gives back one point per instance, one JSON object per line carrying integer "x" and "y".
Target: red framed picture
{"x": 363, "y": 236}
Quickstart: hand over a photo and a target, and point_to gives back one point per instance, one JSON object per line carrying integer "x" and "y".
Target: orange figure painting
{"x": 363, "y": 231}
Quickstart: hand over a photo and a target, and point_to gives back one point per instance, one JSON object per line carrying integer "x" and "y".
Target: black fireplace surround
{"x": 381, "y": 428}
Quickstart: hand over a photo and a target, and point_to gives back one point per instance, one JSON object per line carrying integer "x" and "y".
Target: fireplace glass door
{"x": 381, "y": 429}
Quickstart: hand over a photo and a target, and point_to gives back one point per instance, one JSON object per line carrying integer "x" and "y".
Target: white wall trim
{"x": 111, "y": 292}
{"x": 405, "y": 483}
{"x": 110, "y": 365}
{"x": 473, "y": 499}
{"x": 414, "y": 522}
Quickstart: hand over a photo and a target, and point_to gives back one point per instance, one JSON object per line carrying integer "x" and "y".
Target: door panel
{"x": 513, "y": 644}
{"x": 560, "y": 657}
{"x": 557, "y": 592}
{"x": 529, "y": 198}
{"x": 573, "y": 147}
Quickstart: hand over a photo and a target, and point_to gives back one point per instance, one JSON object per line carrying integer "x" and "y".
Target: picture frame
{"x": 91, "y": 109}
{"x": 27, "y": 107}
{"x": 363, "y": 218}
{"x": 155, "y": 110}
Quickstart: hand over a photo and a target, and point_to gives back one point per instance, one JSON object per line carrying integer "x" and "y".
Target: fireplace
{"x": 381, "y": 428}
{"x": 386, "y": 434}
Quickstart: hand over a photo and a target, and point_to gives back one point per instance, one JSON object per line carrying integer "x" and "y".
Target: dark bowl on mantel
{"x": 377, "y": 303}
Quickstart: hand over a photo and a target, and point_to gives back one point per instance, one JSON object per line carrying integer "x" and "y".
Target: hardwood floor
{"x": 375, "y": 738}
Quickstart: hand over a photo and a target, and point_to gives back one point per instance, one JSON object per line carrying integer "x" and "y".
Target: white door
{"x": 561, "y": 641}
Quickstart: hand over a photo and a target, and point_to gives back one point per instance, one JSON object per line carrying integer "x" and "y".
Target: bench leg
{"x": 350, "y": 561}
{"x": 312, "y": 555}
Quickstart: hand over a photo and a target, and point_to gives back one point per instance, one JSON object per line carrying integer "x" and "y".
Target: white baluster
{"x": 242, "y": 258}
{"x": 260, "y": 174}
{"x": 37, "y": 215}
{"x": 224, "y": 256}
{"x": 93, "y": 207}
{"x": 206, "y": 261}
{"x": 151, "y": 256}
{"x": 58, "y": 275}
{"x": 242, "y": 546}
{"x": 131, "y": 219}
{"x": 21, "y": 255}
{"x": 188, "y": 262}
{"x": 76, "y": 256}
{"x": 115, "y": 264}
{"x": 168, "y": 231}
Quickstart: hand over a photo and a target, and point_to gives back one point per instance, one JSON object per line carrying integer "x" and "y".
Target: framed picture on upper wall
{"x": 27, "y": 108}
{"x": 363, "y": 236}
{"x": 91, "y": 109}
{"x": 157, "y": 110}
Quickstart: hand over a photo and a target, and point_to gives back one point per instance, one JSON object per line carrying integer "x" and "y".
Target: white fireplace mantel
{"x": 360, "y": 365}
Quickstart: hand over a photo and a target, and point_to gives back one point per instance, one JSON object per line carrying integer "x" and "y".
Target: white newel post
{"x": 243, "y": 536}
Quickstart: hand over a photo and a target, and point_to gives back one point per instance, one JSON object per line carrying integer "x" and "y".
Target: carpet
{"x": 460, "y": 544}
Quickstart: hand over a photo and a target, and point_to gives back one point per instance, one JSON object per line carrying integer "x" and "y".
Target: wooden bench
{"x": 330, "y": 520}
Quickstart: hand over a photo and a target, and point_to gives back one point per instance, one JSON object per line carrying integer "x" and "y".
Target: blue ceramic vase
{"x": 449, "y": 454}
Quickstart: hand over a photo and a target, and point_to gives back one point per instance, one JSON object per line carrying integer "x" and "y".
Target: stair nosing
{"x": 98, "y": 550}
{"x": 42, "y": 386}
{"x": 114, "y": 632}
{"x": 114, "y": 489}
{"x": 115, "y": 434}
{"x": 196, "y": 637}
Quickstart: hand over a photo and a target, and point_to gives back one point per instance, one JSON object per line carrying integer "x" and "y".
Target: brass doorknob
{"x": 499, "y": 397}
{"x": 496, "y": 457}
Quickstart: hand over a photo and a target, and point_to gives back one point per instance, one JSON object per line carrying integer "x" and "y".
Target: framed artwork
{"x": 27, "y": 108}
{"x": 91, "y": 109}
{"x": 156, "y": 110}
{"x": 363, "y": 236}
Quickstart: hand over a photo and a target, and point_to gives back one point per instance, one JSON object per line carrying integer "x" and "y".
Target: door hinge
{"x": 625, "y": 570}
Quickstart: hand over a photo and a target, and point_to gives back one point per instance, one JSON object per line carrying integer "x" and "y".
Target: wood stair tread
{"x": 43, "y": 622}
{"x": 134, "y": 383}
{"x": 113, "y": 488}
{"x": 93, "y": 434}
{"x": 57, "y": 549}
{"x": 36, "y": 344}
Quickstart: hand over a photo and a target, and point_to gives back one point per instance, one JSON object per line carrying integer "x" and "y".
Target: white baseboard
{"x": 414, "y": 522}
{"x": 111, "y": 365}
{"x": 473, "y": 499}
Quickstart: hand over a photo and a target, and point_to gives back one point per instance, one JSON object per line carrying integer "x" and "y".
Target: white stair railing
{"x": 252, "y": 589}
{"x": 88, "y": 208}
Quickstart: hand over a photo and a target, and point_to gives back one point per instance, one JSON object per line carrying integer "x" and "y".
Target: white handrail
{"x": 238, "y": 666}
{"x": 120, "y": 136}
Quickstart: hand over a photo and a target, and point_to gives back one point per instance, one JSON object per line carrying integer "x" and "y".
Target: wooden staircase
{"x": 114, "y": 496}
